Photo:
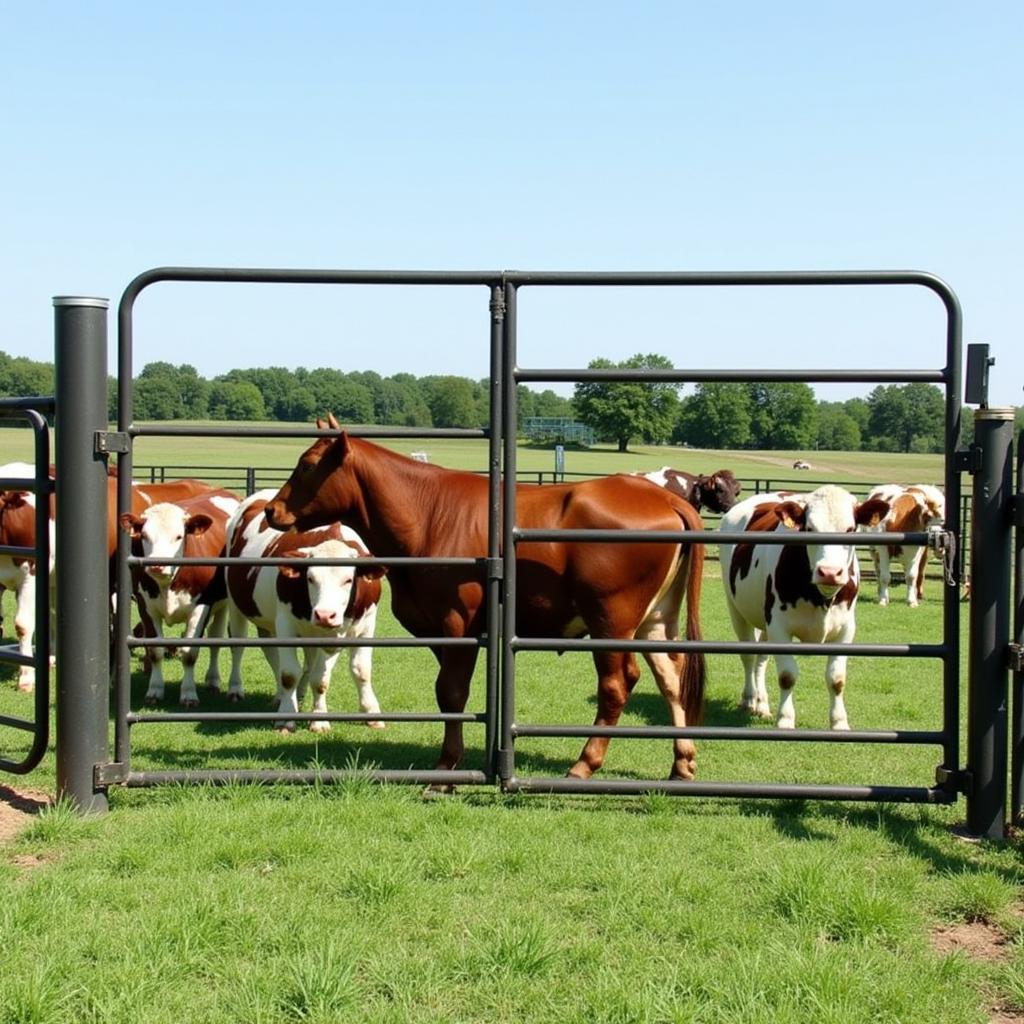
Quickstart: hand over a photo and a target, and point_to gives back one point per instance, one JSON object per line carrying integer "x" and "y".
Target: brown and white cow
{"x": 615, "y": 590}
{"x": 190, "y": 594}
{"x": 717, "y": 493}
{"x": 780, "y": 592}
{"x": 919, "y": 508}
{"x": 17, "y": 572}
{"x": 301, "y": 600}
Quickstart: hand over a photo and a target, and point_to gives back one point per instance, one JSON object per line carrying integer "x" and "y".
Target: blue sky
{"x": 547, "y": 136}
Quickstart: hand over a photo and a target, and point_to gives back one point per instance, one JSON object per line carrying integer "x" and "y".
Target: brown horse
{"x": 619, "y": 590}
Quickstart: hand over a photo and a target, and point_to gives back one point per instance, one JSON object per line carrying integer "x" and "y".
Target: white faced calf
{"x": 189, "y": 594}
{"x": 781, "y": 592}
{"x": 301, "y": 600}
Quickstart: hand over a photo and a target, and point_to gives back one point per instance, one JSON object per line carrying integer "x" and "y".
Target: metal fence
{"x": 93, "y": 770}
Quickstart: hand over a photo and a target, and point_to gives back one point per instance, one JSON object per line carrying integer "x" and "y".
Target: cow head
{"x": 320, "y": 489}
{"x": 831, "y": 509}
{"x": 331, "y": 589}
{"x": 160, "y": 532}
{"x": 718, "y": 492}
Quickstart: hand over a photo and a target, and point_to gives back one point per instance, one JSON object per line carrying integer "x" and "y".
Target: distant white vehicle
{"x": 801, "y": 464}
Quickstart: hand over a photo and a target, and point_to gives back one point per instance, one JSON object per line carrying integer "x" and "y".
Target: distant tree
{"x": 624, "y": 410}
{"x": 716, "y": 415}
{"x": 908, "y": 417}
{"x": 837, "y": 430}
{"x": 452, "y": 401}
{"x": 163, "y": 391}
{"x": 20, "y": 376}
{"x": 784, "y": 415}
{"x": 350, "y": 401}
{"x": 236, "y": 400}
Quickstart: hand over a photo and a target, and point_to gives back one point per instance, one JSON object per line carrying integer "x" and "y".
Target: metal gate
{"x": 33, "y": 411}
{"x": 501, "y": 643}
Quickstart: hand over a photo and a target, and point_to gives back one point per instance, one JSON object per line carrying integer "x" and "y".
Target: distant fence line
{"x": 250, "y": 479}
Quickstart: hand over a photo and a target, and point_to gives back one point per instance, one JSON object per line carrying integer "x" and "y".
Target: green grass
{"x": 356, "y": 902}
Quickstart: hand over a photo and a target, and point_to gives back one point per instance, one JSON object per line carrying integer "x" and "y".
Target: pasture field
{"x": 354, "y": 902}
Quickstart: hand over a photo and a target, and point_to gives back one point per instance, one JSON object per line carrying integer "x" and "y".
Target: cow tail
{"x": 694, "y": 673}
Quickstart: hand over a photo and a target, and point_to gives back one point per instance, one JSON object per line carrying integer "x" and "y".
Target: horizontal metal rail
{"x": 305, "y": 716}
{"x": 729, "y": 732}
{"x": 230, "y": 776}
{"x": 745, "y": 790}
{"x": 300, "y": 433}
{"x": 403, "y": 561}
{"x": 18, "y": 723}
{"x": 519, "y": 643}
{"x": 9, "y": 653}
{"x": 308, "y": 641}
{"x": 568, "y": 376}
{"x": 804, "y": 538}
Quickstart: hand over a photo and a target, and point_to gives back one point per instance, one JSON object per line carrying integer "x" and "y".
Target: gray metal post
{"x": 1017, "y": 707}
{"x": 83, "y": 604}
{"x": 991, "y": 537}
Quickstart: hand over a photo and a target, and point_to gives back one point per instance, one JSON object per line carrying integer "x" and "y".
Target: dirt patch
{"x": 17, "y": 806}
{"x": 978, "y": 939}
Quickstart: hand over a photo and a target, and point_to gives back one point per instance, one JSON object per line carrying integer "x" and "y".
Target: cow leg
{"x": 617, "y": 673}
{"x": 217, "y": 624}
{"x": 835, "y": 678}
{"x": 319, "y": 674}
{"x": 155, "y": 692}
{"x": 196, "y": 624}
{"x": 25, "y": 625}
{"x": 755, "y": 693}
{"x": 238, "y": 626}
{"x": 361, "y": 666}
{"x": 789, "y": 673}
{"x": 915, "y": 559}
{"x": 884, "y": 575}
{"x": 289, "y": 674}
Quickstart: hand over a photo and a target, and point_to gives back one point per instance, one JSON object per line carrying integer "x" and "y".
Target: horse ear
{"x": 332, "y": 422}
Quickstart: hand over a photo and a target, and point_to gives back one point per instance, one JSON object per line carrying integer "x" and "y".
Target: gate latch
{"x": 1016, "y": 657}
{"x": 968, "y": 460}
{"x": 113, "y": 773}
{"x": 111, "y": 441}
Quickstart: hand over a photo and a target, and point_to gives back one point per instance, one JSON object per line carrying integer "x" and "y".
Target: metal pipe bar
{"x": 229, "y": 776}
{"x": 728, "y": 732}
{"x": 302, "y": 716}
{"x": 404, "y": 562}
{"x": 306, "y": 641}
{"x": 300, "y": 433}
{"x": 44, "y": 404}
{"x": 746, "y": 790}
{"x": 18, "y": 723}
{"x": 803, "y": 538}
{"x": 10, "y": 654}
{"x": 518, "y": 643}
{"x": 690, "y": 376}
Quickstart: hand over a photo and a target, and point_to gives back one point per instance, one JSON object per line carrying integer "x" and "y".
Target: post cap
{"x": 81, "y": 300}
{"x": 995, "y": 412}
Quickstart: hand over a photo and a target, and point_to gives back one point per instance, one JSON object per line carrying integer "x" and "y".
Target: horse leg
{"x": 617, "y": 673}
{"x": 452, "y": 692}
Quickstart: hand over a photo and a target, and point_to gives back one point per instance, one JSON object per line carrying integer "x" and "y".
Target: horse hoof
{"x": 189, "y": 703}
{"x": 375, "y": 725}
{"x": 438, "y": 791}
{"x": 319, "y": 726}
{"x": 150, "y": 701}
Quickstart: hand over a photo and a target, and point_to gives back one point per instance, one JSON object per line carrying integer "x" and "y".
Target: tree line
{"x": 752, "y": 415}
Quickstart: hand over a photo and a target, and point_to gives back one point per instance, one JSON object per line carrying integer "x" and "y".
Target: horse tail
{"x": 694, "y": 674}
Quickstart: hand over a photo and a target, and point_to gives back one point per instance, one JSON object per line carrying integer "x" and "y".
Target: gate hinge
{"x": 953, "y": 780}
{"x": 113, "y": 773}
{"x": 1016, "y": 657}
{"x": 497, "y": 304}
{"x": 968, "y": 460}
{"x": 495, "y": 568}
{"x": 506, "y": 762}
{"x": 111, "y": 441}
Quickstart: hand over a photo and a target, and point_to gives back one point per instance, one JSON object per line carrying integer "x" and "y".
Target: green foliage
{"x": 716, "y": 415}
{"x": 906, "y": 418}
{"x": 623, "y": 411}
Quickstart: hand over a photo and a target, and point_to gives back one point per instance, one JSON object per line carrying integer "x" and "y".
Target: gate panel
{"x": 33, "y": 410}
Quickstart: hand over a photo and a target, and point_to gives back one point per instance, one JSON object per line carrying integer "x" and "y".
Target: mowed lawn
{"x": 355, "y": 902}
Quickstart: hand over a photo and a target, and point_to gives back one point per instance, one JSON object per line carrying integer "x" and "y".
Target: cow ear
{"x": 791, "y": 513}
{"x": 332, "y": 422}
{"x": 291, "y": 572}
{"x": 198, "y": 524}
{"x": 131, "y": 524}
{"x": 372, "y": 572}
{"x": 871, "y": 512}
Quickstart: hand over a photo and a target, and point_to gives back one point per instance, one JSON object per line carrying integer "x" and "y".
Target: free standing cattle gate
{"x": 87, "y": 767}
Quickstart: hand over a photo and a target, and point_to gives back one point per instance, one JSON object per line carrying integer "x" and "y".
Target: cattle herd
{"x": 348, "y": 498}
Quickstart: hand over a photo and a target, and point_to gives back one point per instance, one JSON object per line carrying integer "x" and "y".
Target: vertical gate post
{"x": 1017, "y": 721}
{"x": 991, "y": 536}
{"x": 83, "y": 603}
